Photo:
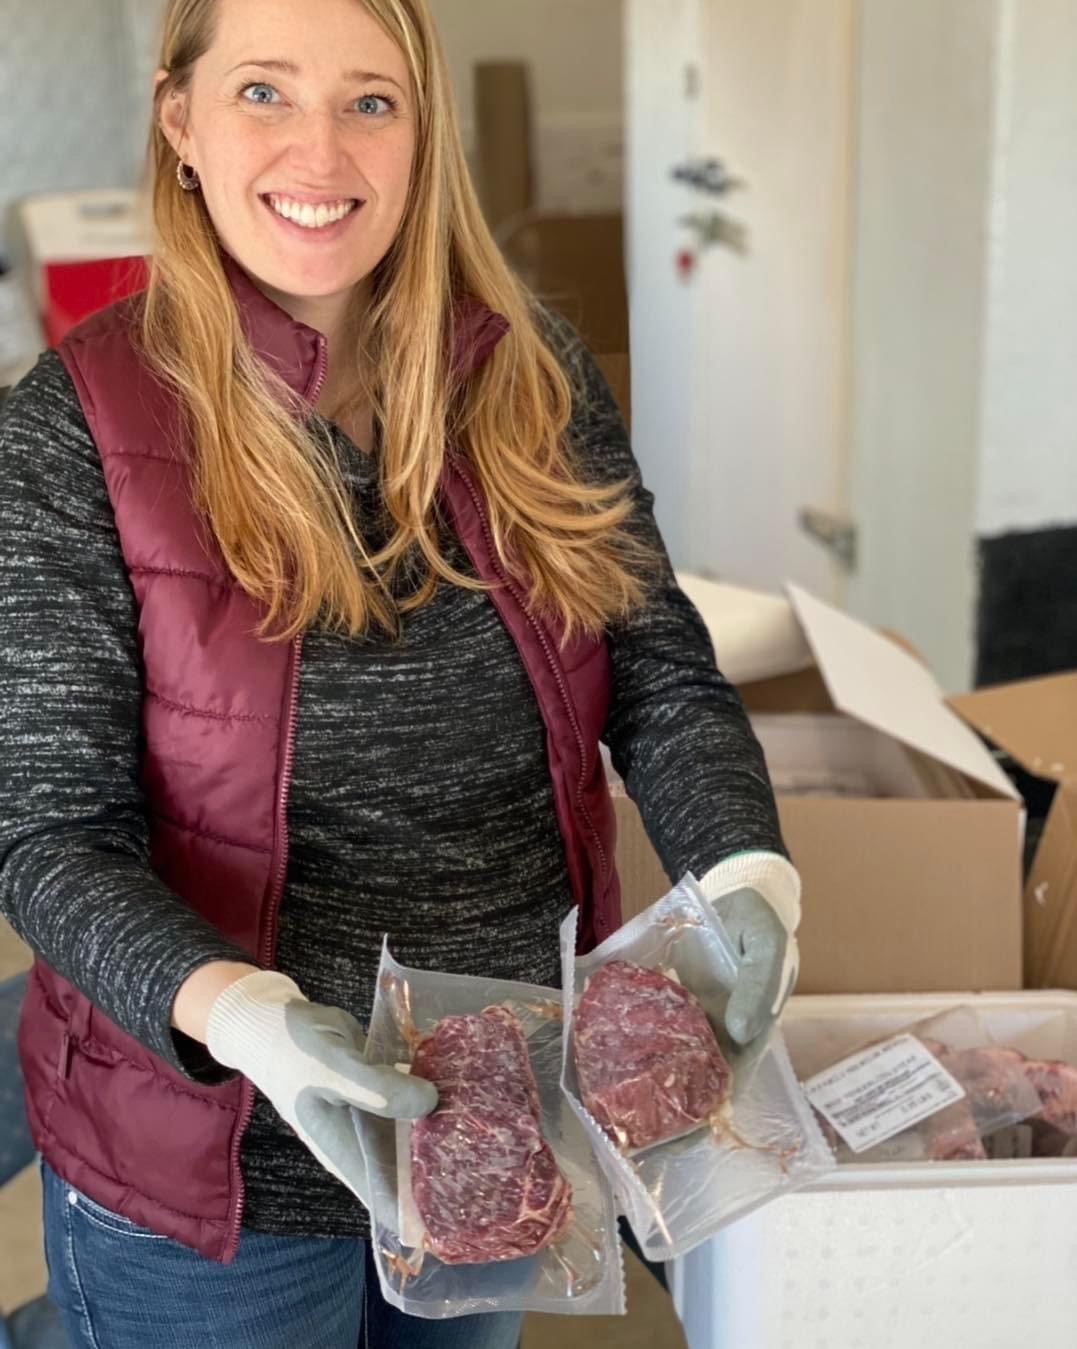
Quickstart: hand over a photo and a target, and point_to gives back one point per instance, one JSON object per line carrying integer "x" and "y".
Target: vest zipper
{"x": 269, "y": 935}
{"x": 321, "y": 369}
{"x": 276, "y": 890}
{"x": 551, "y": 660}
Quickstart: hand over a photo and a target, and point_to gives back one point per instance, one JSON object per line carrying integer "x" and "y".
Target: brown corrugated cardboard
{"x": 575, "y": 263}
{"x": 505, "y": 176}
{"x": 915, "y": 890}
{"x": 1035, "y": 722}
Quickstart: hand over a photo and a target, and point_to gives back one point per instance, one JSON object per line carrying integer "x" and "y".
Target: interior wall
{"x": 926, "y": 128}
{"x": 64, "y": 123}
{"x": 141, "y": 25}
{"x": 1028, "y": 470}
{"x": 966, "y": 325}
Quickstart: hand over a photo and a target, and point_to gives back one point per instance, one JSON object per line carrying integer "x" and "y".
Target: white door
{"x": 741, "y": 370}
{"x": 663, "y": 123}
{"x": 845, "y": 361}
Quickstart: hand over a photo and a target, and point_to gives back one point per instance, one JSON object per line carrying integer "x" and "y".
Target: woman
{"x": 326, "y": 564}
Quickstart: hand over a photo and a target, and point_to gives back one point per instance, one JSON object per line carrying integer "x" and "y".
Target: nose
{"x": 317, "y": 147}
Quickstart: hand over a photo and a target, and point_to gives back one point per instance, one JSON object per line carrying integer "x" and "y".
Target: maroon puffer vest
{"x": 219, "y": 721}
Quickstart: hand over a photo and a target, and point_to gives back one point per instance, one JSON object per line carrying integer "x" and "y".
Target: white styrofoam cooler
{"x": 921, "y": 1255}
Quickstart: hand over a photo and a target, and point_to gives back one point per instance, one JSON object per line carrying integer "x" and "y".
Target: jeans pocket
{"x": 105, "y": 1219}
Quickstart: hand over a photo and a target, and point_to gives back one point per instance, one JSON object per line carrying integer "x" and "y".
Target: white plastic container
{"x": 922, "y": 1255}
{"x": 76, "y": 226}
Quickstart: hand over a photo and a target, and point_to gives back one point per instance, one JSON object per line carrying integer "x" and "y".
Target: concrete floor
{"x": 650, "y": 1323}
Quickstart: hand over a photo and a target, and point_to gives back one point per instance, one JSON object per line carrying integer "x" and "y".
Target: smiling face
{"x": 300, "y": 120}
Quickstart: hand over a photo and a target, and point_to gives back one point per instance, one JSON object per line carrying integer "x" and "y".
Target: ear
{"x": 172, "y": 114}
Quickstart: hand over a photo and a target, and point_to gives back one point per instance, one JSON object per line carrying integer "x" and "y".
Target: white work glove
{"x": 308, "y": 1060}
{"x": 757, "y": 897}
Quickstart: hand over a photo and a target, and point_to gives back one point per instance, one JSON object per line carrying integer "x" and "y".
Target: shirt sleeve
{"x": 677, "y": 730}
{"x": 75, "y": 876}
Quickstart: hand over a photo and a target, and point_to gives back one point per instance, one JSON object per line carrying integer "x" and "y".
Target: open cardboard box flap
{"x": 875, "y": 681}
{"x": 1034, "y": 721}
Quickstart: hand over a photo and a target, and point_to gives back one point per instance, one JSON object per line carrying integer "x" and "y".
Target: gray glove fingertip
{"x": 394, "y": 1095}
{"x": 406, "y": 1097}
{"x": 746, "y": 1016}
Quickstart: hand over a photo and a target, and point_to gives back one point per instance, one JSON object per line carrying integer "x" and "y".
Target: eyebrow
{"x": 290, "y": 68}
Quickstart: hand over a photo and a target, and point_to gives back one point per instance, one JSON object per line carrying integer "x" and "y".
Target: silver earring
{"x": 188, "y": 177}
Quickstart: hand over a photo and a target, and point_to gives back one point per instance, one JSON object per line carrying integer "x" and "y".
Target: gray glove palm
{"x": 757, "y": 897}
{"x": 763, "y": 984}
{"x": 308, "y": 1061}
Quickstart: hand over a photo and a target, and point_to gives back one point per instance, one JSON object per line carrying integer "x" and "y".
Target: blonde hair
{"x": 267, "y": 481}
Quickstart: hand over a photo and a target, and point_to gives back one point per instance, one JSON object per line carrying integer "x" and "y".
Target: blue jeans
{"x": 36, "y": 1324}
{"x": 16, "y": 1146}
{"x": 120, "y": 1286}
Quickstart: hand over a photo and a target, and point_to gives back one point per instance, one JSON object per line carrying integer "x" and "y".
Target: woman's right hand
{"x": 308, "y": 1061}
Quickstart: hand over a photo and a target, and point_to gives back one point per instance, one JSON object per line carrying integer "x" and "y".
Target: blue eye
{"x": 259, "y": 93}
{"x": 368, "y": 103}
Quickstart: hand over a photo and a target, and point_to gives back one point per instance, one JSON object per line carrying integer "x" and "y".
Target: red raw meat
{"x": 485, "y": 1181}
{"x": 989, "y": 1076}
{"x": 1056, "y": 1084}
{"x": 648, "y": 1064}
{"x": 993, "y": 1078}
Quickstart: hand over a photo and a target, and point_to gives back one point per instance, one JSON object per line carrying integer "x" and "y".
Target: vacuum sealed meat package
{"x": 485, "y": 1182}
{"x": 691, "y": 1130}
{"x": 937, "y": 1091}
{"x": 494, "y": 1201}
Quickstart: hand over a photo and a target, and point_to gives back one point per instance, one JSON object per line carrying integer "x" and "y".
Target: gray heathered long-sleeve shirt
{"x": 420, "y": 803}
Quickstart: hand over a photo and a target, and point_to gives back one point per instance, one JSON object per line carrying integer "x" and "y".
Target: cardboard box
{"x": 575, "y": 263}
{"x": 505, "y": 176}
{"x": 1035, "y": 722}
{"x": 906, "y": 832}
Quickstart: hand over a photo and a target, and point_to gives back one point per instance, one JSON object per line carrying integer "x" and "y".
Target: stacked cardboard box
{"x": 1035, "y": 722}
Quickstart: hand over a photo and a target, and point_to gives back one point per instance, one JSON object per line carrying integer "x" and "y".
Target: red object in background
{"x": 686, "y": 264}
{"x": 74, "y": 290}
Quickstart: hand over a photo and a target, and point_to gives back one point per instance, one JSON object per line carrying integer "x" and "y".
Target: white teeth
{"x": 309, "y": 216}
